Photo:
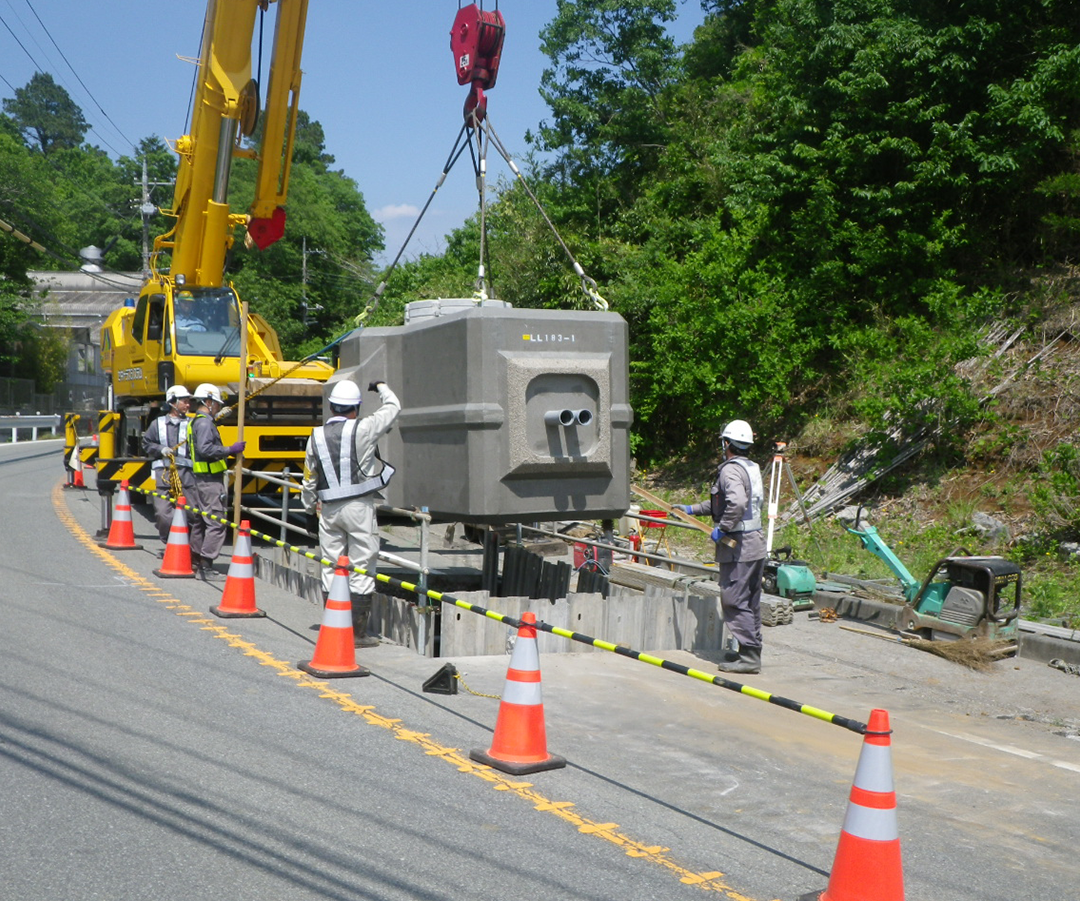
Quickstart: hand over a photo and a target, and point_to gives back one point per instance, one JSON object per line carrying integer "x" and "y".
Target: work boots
{"x": 361, "y": 611}
{"x": 749, "y": 661}
{"x": 203, "y": 566}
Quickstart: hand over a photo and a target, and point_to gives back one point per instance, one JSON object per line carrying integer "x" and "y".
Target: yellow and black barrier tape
{"x": 807, "y": 710}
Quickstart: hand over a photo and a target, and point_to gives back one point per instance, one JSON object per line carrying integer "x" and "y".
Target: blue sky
{"x": 379, "y": 76}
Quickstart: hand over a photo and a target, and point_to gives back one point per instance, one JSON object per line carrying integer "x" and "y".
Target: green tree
{"x": 613, "y": 64}
{"x": 46, "y": 115}
{"x": 830, "y": 168}
{"x": 26, "y": 197}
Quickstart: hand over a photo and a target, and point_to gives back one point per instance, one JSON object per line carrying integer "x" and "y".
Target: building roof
{"x": 82, "y": 299}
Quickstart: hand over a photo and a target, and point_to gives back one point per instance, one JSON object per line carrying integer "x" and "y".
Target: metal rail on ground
{"x": 421, "y": 569}
{"x": 660, "y": 558}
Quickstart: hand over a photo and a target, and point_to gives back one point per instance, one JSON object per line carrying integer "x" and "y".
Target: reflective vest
{"x": 179, "y": 447}
{"x": 340, "y": 475}
{"x": 751, "y": 521}
{"x": 198, "y": 466}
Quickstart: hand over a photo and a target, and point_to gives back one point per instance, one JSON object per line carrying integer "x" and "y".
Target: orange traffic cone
{"x": 335, "y": 655}
{"x": 238, "y": 598}
{"x": 121, "y": 530}
{"x": 177, "y": 562}
{"x": 520, "y": 743}
{"x": 77, "y": 478}
{"x": 867, "y": 863}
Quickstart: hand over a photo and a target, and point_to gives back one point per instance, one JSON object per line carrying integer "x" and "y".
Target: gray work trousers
{"x": 206, "y": 536}
{"x": 348, "y": 528}
{"x": 163, "y": 507}
{"x": 740, "y": 599}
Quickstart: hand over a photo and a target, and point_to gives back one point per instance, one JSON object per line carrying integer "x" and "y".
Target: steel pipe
{"x": 583, "y": 417}
{"x": 564, "y": 418}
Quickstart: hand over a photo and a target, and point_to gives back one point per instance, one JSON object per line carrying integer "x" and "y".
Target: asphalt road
{"x": 149, "y": 750}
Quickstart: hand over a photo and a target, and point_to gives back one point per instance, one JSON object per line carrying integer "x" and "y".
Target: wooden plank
{"x": 665, "y": 506}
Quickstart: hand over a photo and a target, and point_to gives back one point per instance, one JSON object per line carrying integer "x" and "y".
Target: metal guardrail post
{"x": 286, "y": 493}
{"x": 425, "y": 543}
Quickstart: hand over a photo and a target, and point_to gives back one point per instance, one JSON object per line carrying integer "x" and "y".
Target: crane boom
{"x": 186, "y": 326}
{"x": 226, "y": 109}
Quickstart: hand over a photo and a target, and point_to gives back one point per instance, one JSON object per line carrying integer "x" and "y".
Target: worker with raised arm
{"x": 735, "y": 504}
{"x": 343, "y": 475}
{"x": 208, "y": 465}
{"x": 165, "y": 442}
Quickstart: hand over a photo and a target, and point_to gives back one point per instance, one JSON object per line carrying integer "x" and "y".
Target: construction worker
{"x": 208, "y": 464}
{"x": 165, "y": 442}
{"x": 735, "y": 505}
{"x": 342, "y": 477}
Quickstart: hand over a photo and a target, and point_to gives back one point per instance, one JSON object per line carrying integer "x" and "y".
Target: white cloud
{"x": 396, "y": 211}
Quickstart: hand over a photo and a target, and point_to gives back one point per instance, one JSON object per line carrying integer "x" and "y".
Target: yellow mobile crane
{"x": 185, "y": 327}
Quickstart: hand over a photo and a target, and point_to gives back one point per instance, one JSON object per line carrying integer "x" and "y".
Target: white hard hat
{"x": 345, "y": 394}
{"x": 175, "y": 393}
{"x": 206, "y": 391}
{"x": 739, "y": 433}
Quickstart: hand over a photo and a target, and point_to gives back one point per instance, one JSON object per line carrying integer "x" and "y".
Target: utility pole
{"x": 148, "y": 209}
{"x": 303, "y": 283}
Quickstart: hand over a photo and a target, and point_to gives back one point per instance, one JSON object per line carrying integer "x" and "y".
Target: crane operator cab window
{"x": 207, "y": 322}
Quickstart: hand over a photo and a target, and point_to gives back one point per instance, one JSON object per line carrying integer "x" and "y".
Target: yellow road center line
{"x": 656, "y": 854}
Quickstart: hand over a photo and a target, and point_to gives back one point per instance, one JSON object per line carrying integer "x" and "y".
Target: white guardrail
{"x": 18, "y": 426}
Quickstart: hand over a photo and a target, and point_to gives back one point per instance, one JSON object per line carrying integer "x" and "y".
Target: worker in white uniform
{"x": 343, "y": 475}
{"x": 165, "y": 442}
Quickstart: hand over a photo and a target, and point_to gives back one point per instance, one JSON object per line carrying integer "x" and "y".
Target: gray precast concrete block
{"x": 507, "y": 415}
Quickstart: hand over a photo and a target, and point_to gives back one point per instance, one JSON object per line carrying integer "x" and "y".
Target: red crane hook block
{"x": 476, "y": 41}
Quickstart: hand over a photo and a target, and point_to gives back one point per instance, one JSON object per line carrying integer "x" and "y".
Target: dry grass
{"x": 975, "y": 653}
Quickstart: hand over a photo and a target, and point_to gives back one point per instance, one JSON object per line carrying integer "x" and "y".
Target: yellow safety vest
{"x": 202, "y": 466}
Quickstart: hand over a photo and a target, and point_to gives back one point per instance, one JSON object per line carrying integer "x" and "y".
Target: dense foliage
{"x": 815, "y": 203}
{"x": 812, "y": 200}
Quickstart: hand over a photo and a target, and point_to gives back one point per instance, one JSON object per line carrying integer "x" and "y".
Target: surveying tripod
{"x": 780, "y": 466}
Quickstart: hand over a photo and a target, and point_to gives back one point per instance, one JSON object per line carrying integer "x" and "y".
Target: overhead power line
{"x": 42, "y": 69}
{"x": 76, "y": 74}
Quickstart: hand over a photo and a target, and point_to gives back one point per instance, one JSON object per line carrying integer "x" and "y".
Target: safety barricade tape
{"x": 807, "y": 710}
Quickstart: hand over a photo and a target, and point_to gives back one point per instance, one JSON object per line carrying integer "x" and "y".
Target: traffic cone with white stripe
{"x": 867, "y": 863}
{"x": 238, "y": 598}
{"x": 520, "y": 742}
{"x": 177, "y": 561}
{"x": 335, "y": 655}
{"x": 121, "y": 530}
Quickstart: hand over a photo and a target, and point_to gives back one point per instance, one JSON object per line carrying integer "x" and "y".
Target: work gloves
{"x": 237, "y": 448}
{"x": 716, "y": 534}
{"x": 374, "y": 386}
{"x": 686, "y": 508}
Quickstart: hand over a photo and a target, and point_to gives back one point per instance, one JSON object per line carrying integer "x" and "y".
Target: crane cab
{"x": 169, "y": 338}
